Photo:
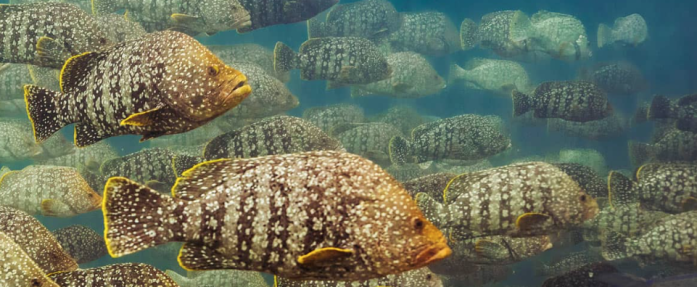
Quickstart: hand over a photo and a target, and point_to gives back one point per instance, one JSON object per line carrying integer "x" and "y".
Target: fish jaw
{"x": 433, "y": 254}
{"x": 239, "y": 90}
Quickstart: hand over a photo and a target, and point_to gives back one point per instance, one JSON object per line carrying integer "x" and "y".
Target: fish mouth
{"x": 433, "y": 254}
{"x": 241, "y": 89}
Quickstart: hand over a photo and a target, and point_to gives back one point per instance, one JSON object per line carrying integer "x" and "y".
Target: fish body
{"x": 369, "y": 140}
{"x": 35, "y": 240}
{"x": 683, "y": 110}
{"x": 586, "y": 177}
{"x": 272, "y": 136}
{"x": 328, "y": 117}
{"x": 269, "y": 96}
{"x": 315, "y": 215}
{"x": 18, "y": 268}
{"x": 410, "y": 171}
{"x": 616, "y": 78}
{"x": 433, "y": 184}
{"x": 498, "y": 76}
{"x": 163, "y": 83}
{"x": 608, "y": 127}
{"x": 464, "y": 137}
{"x": 126, "y": 274}
{"x": 428, "y": 33}
{"x": 47, "y": 34}
{"x": 478, "y": 275}
{"x": 342, "y": 60}
{"x": 212, "y": 278}
{"x": 16, "y": 142}
{"x": 148, "y": 165}
{"x": 629, "y": 219}
{"x": 120, "y": 29}
{"x": 92, "y": 156}
{"x": 48, "y": 190}
{"x": 570, "y": 262}
{"x": 422, "y": 277}
{"x": 81, "y": 242}
{"x": 249, "y": 53}
{"x": 674, "y": 145}
{"x": 13, "y": 77}
{"x": 367, "y": 19}
{"x": 628, "y": 30}
{"x": 562, "y": 36}
{"x": 508, "y": 33}
{"x": 522, "y": 199}
{"x": 572, "y": 101}
{"x": 265, "y": 13}
{"x": 662, "y": 187}
{"x": 193, "y": 138}
{"x": 412, "y": 77}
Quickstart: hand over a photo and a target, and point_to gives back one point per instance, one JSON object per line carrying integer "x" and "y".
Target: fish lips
{"x": 433, "y": 254}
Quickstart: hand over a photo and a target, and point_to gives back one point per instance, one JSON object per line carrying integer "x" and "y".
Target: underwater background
{"x": 667, "y": 60}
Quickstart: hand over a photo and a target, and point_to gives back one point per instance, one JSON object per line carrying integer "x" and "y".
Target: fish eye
{"x": 212, "y": 70}
{"x": 583, "y": 198}
{"x": 417, "y": 223}
{"x": 428, "y": 277}
{"x": 102, "y": 41}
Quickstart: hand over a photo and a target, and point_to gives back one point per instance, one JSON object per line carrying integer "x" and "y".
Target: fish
{"x": 615, "y": 78}
{"x": 567, "y": 100}
{"x": 85, "y": 5}
{"x": 49, "y": 191}
{"x": 585, "y": 156}
{"x": 125, "y": 274}
{"x": 153, "y": 165}
{"x": 18, "y": 268}
{"x": 673, "y": 241}
{"x": 340, "y": 60}
{"x": 682, "y": 109}
{"x": 427, "y": 33}
{"x": 47, "y": 34}
{"x": 587, "y": 275}
{"x": 630, "y": 30}
{"x": 251, "y": 54}
{"x": 13, "y": 77}
{"x": 35, "y": 240}
{"x": 603, "y": 129}
{"x": 562, "y": 36}
{"x": 669, "y": 188}
{"x": 340, "y": 242}
{"x": 412, "y": 77}
{"x": 212, "y": 278}
{"x": 191, "y": 17}
{"x": 119, "y": 29}
{"x": 272, "y": 136}
{"x": 464, "y": 137}
{"x": 81, "y": 242}
{"x": 328, "y": 117}
{"x": 368, "y": 19}
{"x": 626, "y": 217}
{"x": 497, "y": 76}
{"x": 16, "y": 142}
{"x": 674, "y": 145}
{"x": 369, "y": 140}
{"x": 162, "y": 83}
{"x": 508, "y": 33}
{"x": 266, "y": 13}
{"x": 586, "y": 177}
{"x": 410, "y": 171}
{"x": 422, "y": 277}
{"x": 403, "y": 117}
{"x": 432, "y": 185}
{"x": 523, "y": 199}
{"x": 270, "y": 96}
{"x": 569, "y": 262}
{"x": 91, "y": 157}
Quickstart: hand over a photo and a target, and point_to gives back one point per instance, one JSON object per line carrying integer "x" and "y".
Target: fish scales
{"x": 18, "y": 268}
{"x": 328, "y": 117}
{"x": 265, "y": 13}
{"x": 368, "y": 19}
{"x": 127, "y": 274}
{"x": 81, "y": 242}
{"x": 573, "y": 101}
{"x": 212, "y": 278}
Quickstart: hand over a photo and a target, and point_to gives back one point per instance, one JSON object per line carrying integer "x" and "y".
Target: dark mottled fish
{"x": 465, "y": 137}
{"x": 522, "y": 199}
{"x": 315, "y": 215}
{"x": 251, "y": 54}
{"x": 683, "y": 110}
{"x": 49, "y": 191}
{"x": 569, "y": 262}
{"x": 212, "y": 278}
{"x": 586, "y": 177}
{"x": 47, "y": 34}
{"x": 148, "y": 166}
{"x": 572, "y": 101}
{"x": 627, "y": 218}
{"x": 669, "y": 187}
{"x": 433, "y": 184}
{"x": 507, "y": 33}
{"x": 126, "y": 274}
{"x": 18, "y": 268}
{"x": 265, "y": 13}
{"x": 608, "y": 127}
{"x": 478, "y": 275}
{"x": 616, "y": 78}
{"x": 586, "y": 276}
{"x": 367, "y": 19}
{"x": 81, "y": 242}
{"x": 35, "y": 240}
{"x": 328, "y": 117}
{"x": 428, "y": 33}
{"x": 674, "y": 145}
{"x": 163, "y": 83}
{"x": 340, "y": 60}
{"x": 422, "y": 277}
{"x": 369, "y": 140}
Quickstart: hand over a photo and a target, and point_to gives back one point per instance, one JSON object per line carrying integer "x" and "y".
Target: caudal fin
{"x": 660, "y": 108}
{"x": 285, "y": 59}
{"x": 137, "y": 217}
{"x": 468, "y": 34}
{"x": 43, "y": 111}
{"x": 614, "y": 246}
{"x": 455, "y": 74}
{"x": 620, "y": 189}
{"x": 640, "y": 153}
{"x": 522, "y": 102}
{"x": 400, "y": 150}
{"x": 603, "y": 35}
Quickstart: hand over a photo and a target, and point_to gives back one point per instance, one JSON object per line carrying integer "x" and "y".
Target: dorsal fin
{"x": 461, "y": 181}
{"x": 197, "y": 180}
{"x": 75, "y": 69}
{"x": 620, "y": 189}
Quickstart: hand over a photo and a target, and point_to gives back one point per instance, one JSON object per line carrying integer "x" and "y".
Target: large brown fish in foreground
{"x": 316, "y": 215}
{"x": 162, "y": 83}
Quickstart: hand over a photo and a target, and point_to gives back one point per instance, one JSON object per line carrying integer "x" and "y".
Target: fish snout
{"x": 433, "y": 253}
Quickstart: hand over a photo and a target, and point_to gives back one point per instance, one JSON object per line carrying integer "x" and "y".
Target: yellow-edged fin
{"x": 67, "y": 77}
{"x": 179, "y": 260}
{"x": 190, "y": 172}
{"x": 324, "y": 256}
{"x": 276, "y": 281}
{"x": 687, "y": 204}
{"x": 105, "y": 195}
{"x": 49, "y": 48}
{"x": 184, "y": 19}
{"x": 610, "y": 191}
{"x": 639, "y": 170}
{"x": 5, "y": 175}
{"x": 52, "y": 207}
{"x": 26, "y": 103}
{"x": 531, "y": 220}
{"x": 142, "y": 119}
{"x": 482, "y": 245}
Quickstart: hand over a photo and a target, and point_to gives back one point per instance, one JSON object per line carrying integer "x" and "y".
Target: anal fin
{"x": 193, "y": 257}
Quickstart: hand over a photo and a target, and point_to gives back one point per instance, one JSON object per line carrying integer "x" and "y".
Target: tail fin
{"x": 101, "y": 7}
{"x": 468, "y": 34}
{"x": 400, "y": 150}
{"x": 620, "y": 189}
{"x": 455, "y": 74}
{"x": 43, "y": 111}
{"x": 660, "y": 108}
{"x": 613, "y": 246}
{"x": 285, "y": 59}
{"x": 640, "y": 153}
{"x": 522, "y": 102}
{"x": 603, "y": 36}
{"x": 137, "y": 217}
{"x": 316, "y": 28}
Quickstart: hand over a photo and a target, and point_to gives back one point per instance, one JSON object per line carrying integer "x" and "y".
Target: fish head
{"x": 24, "y": 148}
{"x": 198, "y": 85}
{"x": 590, "y": 208}
{"x": 584, "y": 47}
{"x": 225, "y": 15}
{"x": 86, "y": 199}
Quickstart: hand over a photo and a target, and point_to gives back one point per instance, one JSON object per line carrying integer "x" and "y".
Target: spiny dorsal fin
{"x": 75, "y": 69}
{"x": 197, "y": 180}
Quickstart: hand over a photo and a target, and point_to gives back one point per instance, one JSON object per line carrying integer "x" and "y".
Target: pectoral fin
{"x": 142, "y": 119}
{"x": 401, "y": 87}
{"x": 184, "y": 19}
{"x": 50, "y": 50}
{"x": 324, "y": 256}
{"x": 55, "y": 208}
{"x": 531, "y": 221}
